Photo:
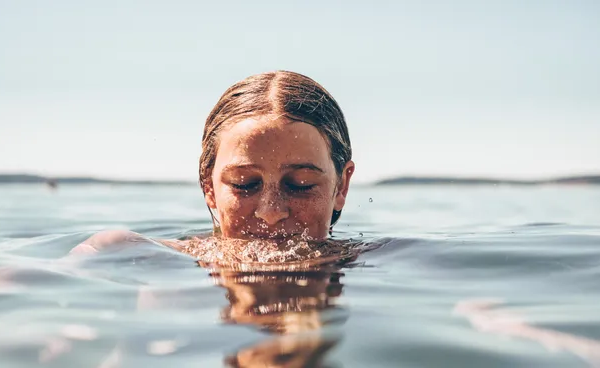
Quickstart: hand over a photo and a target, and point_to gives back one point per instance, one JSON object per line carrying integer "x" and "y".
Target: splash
{"x": 299, "y": 252}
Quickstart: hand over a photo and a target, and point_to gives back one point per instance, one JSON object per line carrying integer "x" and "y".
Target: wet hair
{"x": 282, "y": 94}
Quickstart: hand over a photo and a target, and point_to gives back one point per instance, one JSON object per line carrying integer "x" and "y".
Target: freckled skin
{"x": 274, "y": 178}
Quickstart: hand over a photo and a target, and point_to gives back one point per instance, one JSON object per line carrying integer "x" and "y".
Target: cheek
{"x": 315, "y": 210}
{"x": 232, "y": 208}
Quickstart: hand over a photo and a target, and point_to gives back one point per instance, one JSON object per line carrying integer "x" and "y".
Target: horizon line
{"x": 33, "y": 178}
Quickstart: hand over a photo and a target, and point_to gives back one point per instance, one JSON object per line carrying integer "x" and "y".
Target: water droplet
{"x": 371, "y": 200}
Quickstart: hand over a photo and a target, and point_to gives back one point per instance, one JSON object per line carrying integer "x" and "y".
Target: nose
{"x": 272, "y": 207}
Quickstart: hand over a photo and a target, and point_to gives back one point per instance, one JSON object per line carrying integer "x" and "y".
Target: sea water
{"x": 457, "y": 276}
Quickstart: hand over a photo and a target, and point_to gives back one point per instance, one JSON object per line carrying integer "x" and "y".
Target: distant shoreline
{"x": 401, "y": 180}
{"x": 54, "y": 181}
{"x": 423, "y": 180}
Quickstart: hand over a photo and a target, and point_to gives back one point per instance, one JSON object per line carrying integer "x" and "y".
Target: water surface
{"x": 416, "y": 301}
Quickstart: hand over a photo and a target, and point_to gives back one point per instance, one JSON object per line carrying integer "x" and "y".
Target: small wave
{"x": 540, "y": 224}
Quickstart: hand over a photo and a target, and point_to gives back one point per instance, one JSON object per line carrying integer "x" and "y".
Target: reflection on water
{"x": 293, "y": 300}
{"x": 297, "y": 309}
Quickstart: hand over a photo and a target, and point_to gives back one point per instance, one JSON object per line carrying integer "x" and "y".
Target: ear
{"x": 209, "y": 193}
{"x": 343, "y": 186}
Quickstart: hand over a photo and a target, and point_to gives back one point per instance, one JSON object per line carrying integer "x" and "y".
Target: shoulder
{"x": 108, "y": 240}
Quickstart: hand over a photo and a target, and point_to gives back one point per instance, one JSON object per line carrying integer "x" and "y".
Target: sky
{"x": 121, "y": 89}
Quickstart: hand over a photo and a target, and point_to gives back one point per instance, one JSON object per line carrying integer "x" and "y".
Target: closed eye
{"x": 300, "y": 188}
{"x": 248, "y": 186}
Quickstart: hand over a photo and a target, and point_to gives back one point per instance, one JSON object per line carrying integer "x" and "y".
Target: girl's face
{"x": 274, "y": 178}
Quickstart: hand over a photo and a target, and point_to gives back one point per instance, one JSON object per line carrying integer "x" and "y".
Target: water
{"x": 415, "y": 301}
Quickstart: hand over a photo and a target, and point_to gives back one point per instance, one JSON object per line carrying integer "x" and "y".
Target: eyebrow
{"x": 299, "y": 166}
{"x": 231, "y": 167}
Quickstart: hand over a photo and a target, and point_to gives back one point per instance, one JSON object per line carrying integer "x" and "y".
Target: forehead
{"x": 272, "y": 141}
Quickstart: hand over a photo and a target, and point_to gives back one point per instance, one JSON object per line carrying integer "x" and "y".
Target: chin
{"x": 277, "y": 235}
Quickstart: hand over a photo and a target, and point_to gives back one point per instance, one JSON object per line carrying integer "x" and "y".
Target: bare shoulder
{"x": 114, "y": 240}
{"x": 108, "y": 240}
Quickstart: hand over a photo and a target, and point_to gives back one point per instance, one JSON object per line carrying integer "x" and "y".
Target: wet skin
{"x": 274, "y": 178}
